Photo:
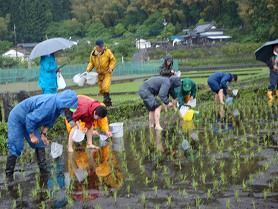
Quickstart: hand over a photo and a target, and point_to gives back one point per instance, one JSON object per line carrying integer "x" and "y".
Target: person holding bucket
{"x": 186, "y": 93}
{"x": 104, "y": 61}
{"x": 93, "y": 115}
{"x": 218, "y": 82}
{"x": 30, "y": 120}
{"x": 162, "y": 87}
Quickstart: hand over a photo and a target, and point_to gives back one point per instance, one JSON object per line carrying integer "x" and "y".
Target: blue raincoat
{"x": 31, "y": 114}
{"x": 219, "y": 81}
{"x": 48, "y": 76}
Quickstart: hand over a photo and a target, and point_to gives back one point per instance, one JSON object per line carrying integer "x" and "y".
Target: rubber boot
{"x": 269, "y": 95}
{"x": 107, "y": 100}
{"x": 44, "y": 173}
{"x": 276, "y": 93}
{"x": 10, "y": 165}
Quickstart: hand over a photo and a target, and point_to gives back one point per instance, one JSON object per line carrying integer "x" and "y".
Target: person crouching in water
{"x": 162, "y": 87}
{"x": 273, "y": 75}
{"x": 218, "y": 82}
{"x": 30, "y": 120}
{"x": 93, "y": 114}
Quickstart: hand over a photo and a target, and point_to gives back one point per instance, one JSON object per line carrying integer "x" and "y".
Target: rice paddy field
{"x": 226, "y": 157}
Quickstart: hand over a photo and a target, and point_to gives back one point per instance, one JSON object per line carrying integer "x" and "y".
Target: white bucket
{"x": 79, "y": 79}
{"x": 78, "y": 136}
{"x": 117, "y": 129}
{"x": 91, "y": 78}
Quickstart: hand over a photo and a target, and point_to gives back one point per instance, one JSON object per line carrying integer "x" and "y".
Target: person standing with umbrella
{"x": 103, "y": 60}
{"x": 48, "y": 65}
{"x": 273, "y": 74}
{"x": 268, "y": 53}
{"x": 48, "y": 74}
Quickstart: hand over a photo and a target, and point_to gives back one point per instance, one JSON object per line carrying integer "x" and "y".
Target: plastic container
{"x": 117, "y": 129}
{"x": 78, "y": 136}
{"x": 56, "y": 150}
{"x": 91, "y": 78}
{"x": 79, "y": 79}
{"x": 235, "y": 92}
{"x": 229, "y": 100}
{"x": 192, "y": 103}
{"x": 189, "y": 115}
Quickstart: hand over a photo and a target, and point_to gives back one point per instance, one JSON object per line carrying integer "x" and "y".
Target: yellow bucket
{"x": 188, "y": 115}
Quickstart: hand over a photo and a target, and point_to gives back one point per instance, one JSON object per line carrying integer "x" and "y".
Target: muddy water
{"x": 232, "y": 163}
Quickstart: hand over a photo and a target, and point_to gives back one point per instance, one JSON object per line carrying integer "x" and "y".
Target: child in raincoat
{"x": 104, "y": 61}
{"x": 186, "y": 92}
{"x": 218, "y": 82}
{"x": 48, "y": 74}
{"x": 273, "y": 74}
{"x": 93, "y": 114}
{"x": 30, "y": 120}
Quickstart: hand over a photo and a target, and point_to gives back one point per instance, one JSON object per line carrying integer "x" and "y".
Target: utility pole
{"x": 15, "y": 41}
{"x": 165, "y": 24}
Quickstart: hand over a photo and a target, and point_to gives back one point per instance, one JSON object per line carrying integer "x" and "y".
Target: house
{"x": 204, "y": 34}
{"x": 142, "y": 44}
{"x": 14, "y": 54}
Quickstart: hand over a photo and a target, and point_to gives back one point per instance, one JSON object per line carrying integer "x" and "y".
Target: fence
{"x": 122, "y": 69}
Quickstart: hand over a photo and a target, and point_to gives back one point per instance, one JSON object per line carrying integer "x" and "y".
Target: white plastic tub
{"x": 117, "y": 129}
{"x": 79, "y": 79}
{"x": 91, "y": 78}
{"x": 78, "y": 136}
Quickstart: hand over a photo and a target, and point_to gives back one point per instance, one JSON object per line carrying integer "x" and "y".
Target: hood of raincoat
{"x": 66, "y": 99}
{"x": 85, "y": 110}
{"x": 168, "y": 58}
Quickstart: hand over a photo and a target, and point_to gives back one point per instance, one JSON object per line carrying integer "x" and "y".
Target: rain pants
{"x": 219, "y": 81}
{"x": 48, "y": 76}
{"x": 158, "y": 86}
{"x": 101, "y": 62}
{"x": 31, "y": 114}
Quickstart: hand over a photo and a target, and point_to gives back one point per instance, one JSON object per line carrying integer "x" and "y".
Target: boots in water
{"x": 107, "y": 100}
{"x": 269, "y": 95}
{"x": 12, "y": 186}
{"x": 44, "y": 173}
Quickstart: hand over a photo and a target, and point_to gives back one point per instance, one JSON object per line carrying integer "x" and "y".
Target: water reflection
{"x": 90, "y": 170}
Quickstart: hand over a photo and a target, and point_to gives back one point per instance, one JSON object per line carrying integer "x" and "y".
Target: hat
{"x": 100, "y": 43}
{"x": 186, "y": 86}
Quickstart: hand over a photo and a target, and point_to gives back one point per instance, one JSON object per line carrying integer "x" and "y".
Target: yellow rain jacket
{"x": 102, "y": 62}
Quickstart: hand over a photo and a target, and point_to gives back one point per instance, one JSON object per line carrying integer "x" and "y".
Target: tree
{"x": 31, "y": 18}
{"x": 66, "y": 28}
{"x": 119, "y": 29}
{"x": 3, "y": 27}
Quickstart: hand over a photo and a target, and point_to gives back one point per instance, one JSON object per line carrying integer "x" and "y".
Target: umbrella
{"x": 265, "y": 51}
{"x": 50, "y": 46}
